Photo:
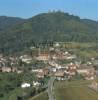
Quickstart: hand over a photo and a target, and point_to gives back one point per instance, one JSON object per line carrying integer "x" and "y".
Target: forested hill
{"x": 8, "y": 22}
{"x": 54, "y": 26}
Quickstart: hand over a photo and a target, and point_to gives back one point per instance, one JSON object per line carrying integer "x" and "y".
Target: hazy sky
{"x": 29, "y": 8}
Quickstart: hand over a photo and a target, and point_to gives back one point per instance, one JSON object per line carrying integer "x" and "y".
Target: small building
{"x": 36, "y": 83}
{"x": 84, "y": 69}
{"x": 53, "y": 70}
{"x": 45, "y": 71}
{"x": 89, "y": 77}
{"x": 43, "y": 57}
{"x": 25, "y": 85}
{"x": 14, "y": 69}
{"x": 6, "y": 69}
{"x": 94, "y": 86}
{"x": 60, "y": 75}
{"x": 87, "y": 71}
{"x": 71, "y": 69}
{"x": 71, "y": 57}
{"x": 72, "y": 72}
{"x": 19, "y": 71}
{"x": 26, "y": 59}
{"x": 40, "y": 75}
{"x": 37, "y": 70}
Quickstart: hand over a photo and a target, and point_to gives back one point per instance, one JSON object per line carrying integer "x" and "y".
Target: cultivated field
{"x": 74, "y": 90}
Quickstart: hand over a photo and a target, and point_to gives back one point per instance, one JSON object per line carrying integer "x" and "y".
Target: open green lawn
{"x": 74, "y": 90}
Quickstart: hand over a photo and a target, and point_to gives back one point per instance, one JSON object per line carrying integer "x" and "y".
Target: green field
{"x": 85, "y": 50}
{"x": 41, "y": 96}
{"x": 74, "y": 90}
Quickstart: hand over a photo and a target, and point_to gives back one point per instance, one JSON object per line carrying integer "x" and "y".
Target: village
{"x": 51, "y": 62}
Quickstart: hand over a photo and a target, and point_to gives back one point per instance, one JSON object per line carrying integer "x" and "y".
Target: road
{"x": 50, "y": 88}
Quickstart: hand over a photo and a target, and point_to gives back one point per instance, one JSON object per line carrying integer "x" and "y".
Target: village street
{"x": 50, "y": 88}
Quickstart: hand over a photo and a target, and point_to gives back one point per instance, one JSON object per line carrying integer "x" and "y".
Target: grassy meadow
{"x": 82, "y": 50}
{"x": 74, "y": 90}
{"x": 41, "y": 96}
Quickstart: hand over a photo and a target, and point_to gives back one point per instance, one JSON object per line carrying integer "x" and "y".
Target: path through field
{"x": 50, "y": 89}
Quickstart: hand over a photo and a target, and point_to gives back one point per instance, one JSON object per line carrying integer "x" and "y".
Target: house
{"x": 45, "y": 71}
{"x": 26, "y": 59}
{"x": 56, "y": 44}
{"x": 40, "y": 75}
{"x": 35, "y": 83}
{"x": 19, "y": 71}
{"x": 53, "y": 69}
{"x": 25, "y": 85}
{"x": 54, "y": 56}
{"x": 87, "y": 71}
{"x": 14, "y": 69}
{"x": 94, "y": 86}
{"x": 37, "y": 70}
{"x": 72, "y": 72}
{"x": 6, "y": 69}
{"x": 43, "y": 57}
{"x": 58, "y": 55}
{"x": 71, "y": 57}
{"x": 89, "y": 77}
{"x": 72, "y": 66}
{"x": 60, "y": 75}
{"x": 52, "y": 63}
{"x": 71, "y": 69}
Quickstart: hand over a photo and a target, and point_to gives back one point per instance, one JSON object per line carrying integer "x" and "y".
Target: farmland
{"x": 74, "y": 90}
